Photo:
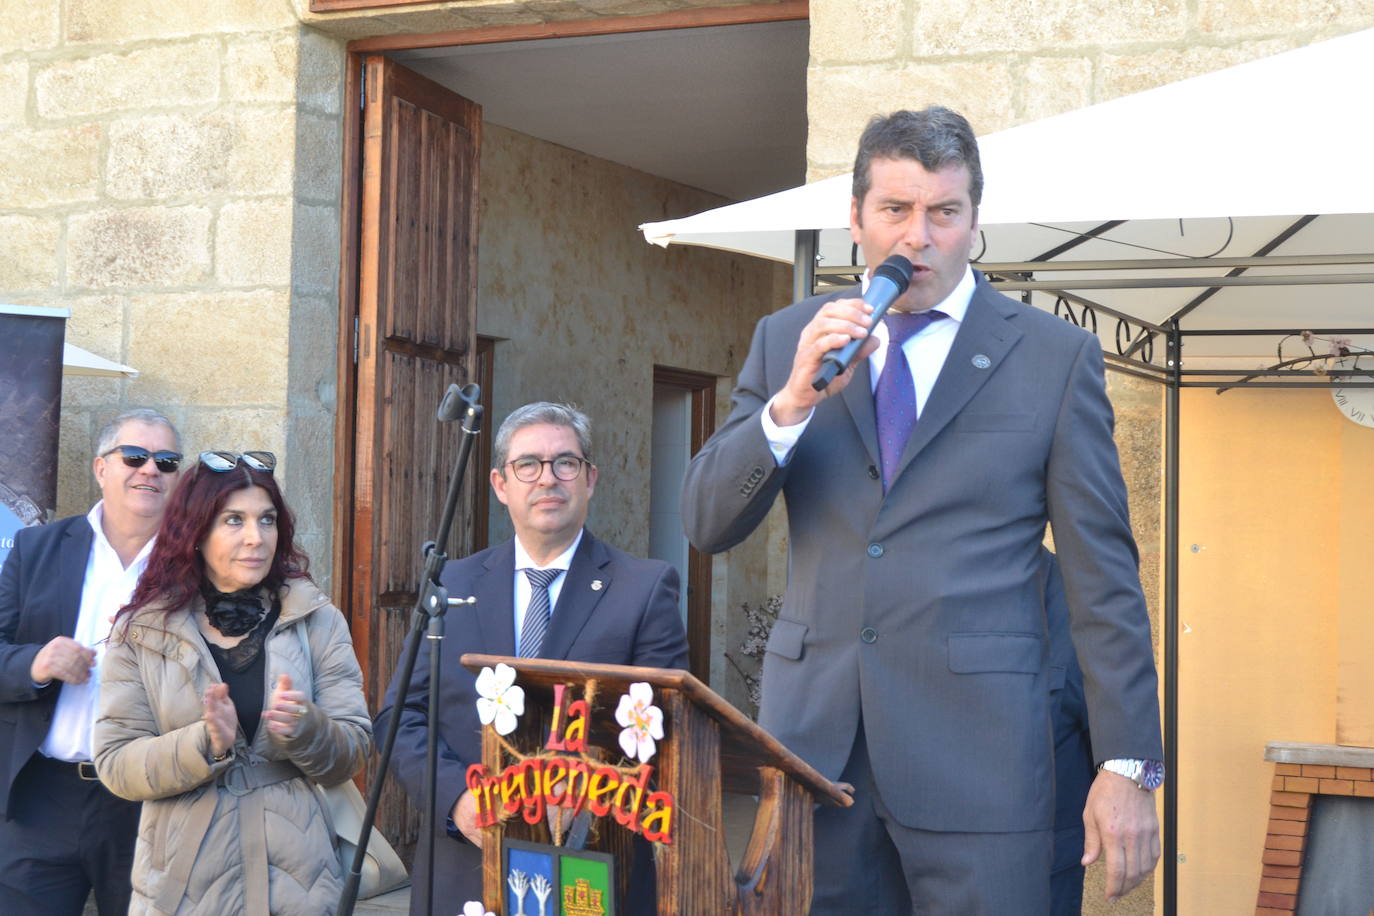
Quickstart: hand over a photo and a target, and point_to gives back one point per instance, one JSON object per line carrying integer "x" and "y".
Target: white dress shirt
{"x": 108, "y": 586}
{"x": 925, "y": 354}
{"x": 522, "y": 582}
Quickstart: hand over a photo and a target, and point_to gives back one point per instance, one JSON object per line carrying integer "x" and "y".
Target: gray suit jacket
{"x": 613, "y": 609}
{"x": 923, "y": 609}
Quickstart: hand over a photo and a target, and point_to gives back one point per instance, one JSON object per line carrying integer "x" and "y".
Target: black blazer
{"x": 613, "y": 608}
{"x": 40, "y": 597}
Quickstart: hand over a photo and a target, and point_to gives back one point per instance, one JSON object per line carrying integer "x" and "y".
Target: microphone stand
{"x": 430, "y": 606}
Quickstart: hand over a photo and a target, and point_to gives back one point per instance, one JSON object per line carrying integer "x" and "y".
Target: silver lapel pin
{"x": 596, "y": 585}
{"x": 981, "y": 362}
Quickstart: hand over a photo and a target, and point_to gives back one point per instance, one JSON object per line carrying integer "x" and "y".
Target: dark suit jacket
{"x": 632, "y": 619}
{"x": 923, "y": 608}
{"x": 40, "y": 597}
{"x": 1073, "y": 758}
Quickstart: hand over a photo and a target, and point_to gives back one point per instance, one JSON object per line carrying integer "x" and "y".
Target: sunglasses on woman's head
{"x": 227, "y": 461}
{"x": 135, "y": 455}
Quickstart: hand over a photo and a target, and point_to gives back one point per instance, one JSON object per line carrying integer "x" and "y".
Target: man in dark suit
{"x": 553, "y": 591}
{"x": 910, "y": 656}
{"x": 1073, "y": 753}
{"x": 61, "y": 832}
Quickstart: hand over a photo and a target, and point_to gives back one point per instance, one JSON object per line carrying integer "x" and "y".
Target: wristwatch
{"x": 1147, "y": 774}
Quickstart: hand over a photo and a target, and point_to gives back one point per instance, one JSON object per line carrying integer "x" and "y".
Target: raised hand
{"x": 221, "y": 719}
{"x": 834, "y": 325}
{"x": 285, "y": 709}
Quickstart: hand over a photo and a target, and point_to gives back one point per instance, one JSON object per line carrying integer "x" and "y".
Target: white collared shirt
{"x": 522, "y": 582}
{"x": 108, "y": 586}
{"x": 925, "y": 355}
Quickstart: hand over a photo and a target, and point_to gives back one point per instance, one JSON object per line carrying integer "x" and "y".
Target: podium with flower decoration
{"x": 632, "y": 759}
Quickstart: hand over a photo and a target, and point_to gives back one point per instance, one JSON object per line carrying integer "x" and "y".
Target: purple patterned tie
{"x": 894, "y": 400}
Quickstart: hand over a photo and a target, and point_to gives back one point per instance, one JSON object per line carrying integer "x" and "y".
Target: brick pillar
{"x": 1290, "y": 808}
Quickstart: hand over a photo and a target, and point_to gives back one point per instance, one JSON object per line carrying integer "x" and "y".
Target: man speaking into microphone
{"x": 910, "y": 657}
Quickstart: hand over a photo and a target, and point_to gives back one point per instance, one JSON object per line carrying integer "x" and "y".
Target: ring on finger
{"x": 298, "y": 711}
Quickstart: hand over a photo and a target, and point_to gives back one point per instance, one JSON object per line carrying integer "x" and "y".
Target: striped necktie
{"x": 537, "y": 613}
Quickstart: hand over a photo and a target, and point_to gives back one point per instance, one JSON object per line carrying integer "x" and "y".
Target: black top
{"x": 244, "y": 669}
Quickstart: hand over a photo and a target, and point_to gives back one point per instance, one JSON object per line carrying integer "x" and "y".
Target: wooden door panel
{"x": 416, "y": 321}
{"x": 432, "y": 235}
{"x": 415, "y": 487}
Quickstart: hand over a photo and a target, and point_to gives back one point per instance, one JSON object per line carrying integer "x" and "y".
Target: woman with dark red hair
{"x": 229, "y": 687}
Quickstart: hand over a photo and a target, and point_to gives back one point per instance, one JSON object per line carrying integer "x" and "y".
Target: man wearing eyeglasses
{"x": 552, "y": 591}
{"x": 61, "y": 833}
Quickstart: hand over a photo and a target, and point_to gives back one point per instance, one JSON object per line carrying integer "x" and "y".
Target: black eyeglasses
{"x": 135, "y": 455}
{"x": 227, "y": 461}
{"x": 529, "y": 469}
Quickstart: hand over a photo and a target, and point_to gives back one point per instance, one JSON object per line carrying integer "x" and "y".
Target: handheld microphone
{"x": 887, "y": 284}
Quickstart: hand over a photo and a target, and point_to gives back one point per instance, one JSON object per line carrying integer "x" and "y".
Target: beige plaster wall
{"x": 585, "y": 309}
{"x": 172, "y": 177}
{"x": 1276, "y": 640}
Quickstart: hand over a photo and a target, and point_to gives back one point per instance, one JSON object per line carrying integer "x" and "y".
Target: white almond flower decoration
{"x": 499, "y": 700}
{"x": 642, "y": 721}
{"x": 474, "y": 907}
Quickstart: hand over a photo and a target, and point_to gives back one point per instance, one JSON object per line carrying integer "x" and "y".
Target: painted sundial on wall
{"x": 1357, "y": 404}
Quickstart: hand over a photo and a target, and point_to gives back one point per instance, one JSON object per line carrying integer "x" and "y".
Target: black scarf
{"x": 233, "y": 613}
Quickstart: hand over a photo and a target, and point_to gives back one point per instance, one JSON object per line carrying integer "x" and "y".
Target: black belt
{"x": 85, "y": 770}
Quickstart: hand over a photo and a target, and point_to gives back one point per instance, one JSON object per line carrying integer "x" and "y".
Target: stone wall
{"x": 172, "y": 176}
{"x": 1002, "y": 63}
{"x": 584, "y": 310}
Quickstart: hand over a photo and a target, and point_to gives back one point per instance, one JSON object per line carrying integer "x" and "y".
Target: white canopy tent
{"x": 1157, "y": 196}
{"x": 1214, "y": 217}
{"x": 76, "y": 361}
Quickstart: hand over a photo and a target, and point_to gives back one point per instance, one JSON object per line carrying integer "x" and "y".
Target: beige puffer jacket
{"x": 207, "y": 844}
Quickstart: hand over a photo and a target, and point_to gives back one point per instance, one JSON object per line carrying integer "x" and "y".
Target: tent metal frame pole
{"x": 1273, "y": 332}
{"x": 1095, "y": 306}
{"x": 1120, "y": 363}
{"x": 1171, "y": 628}
{"x": 1013, "y": 268}
{"x": 1237, "y": 374}
{"x": 1134, "y": 373}
{"x": 1238, "y": 385}
{"x": 1189, "y": 282}
{"x": 804, "y": 246}
{"x": 1264, "y": 250}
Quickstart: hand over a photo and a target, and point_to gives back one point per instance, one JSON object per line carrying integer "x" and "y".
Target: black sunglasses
{"x": 227, "y": 461}
{"x": 135, "y": 455}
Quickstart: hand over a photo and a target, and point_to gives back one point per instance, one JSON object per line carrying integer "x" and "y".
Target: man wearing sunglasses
{"x": 61, "y": 833}
{"x": 552, "y": 591}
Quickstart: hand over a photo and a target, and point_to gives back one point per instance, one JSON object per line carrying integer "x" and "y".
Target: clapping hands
{"x": 285, "y": 709}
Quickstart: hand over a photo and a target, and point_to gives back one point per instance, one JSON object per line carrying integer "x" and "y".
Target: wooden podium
{"x": 708, "y": 748}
